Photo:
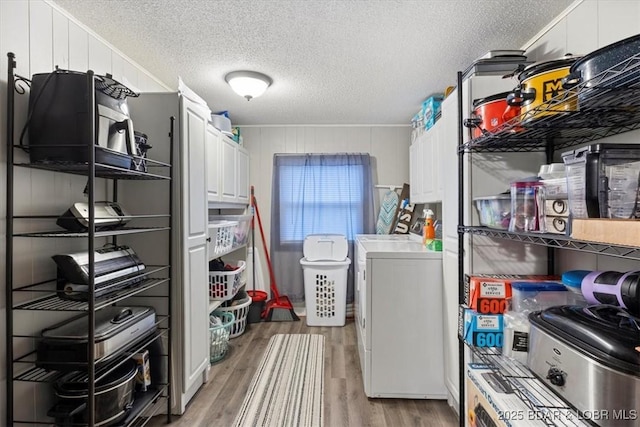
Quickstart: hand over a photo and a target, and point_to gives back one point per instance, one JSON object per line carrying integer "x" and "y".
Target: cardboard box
{"x": 625, "y": 232}
{"x": 491, "y": 401}
{"x": 482, "y": 330}
{"x": 555, "y": 224}
{"x": 489, "y": 293}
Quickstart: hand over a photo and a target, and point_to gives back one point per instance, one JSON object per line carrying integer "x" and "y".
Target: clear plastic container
{"x": 527, "y": 206}
{"x": 494, "y": 211}
{"x": 532, "y": 296}
{"x": 602, "y": 180}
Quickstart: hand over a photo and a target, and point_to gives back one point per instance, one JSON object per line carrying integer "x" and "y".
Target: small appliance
{"x": 115, "y": 267}
{"x": 58, "y": 120}
{"x": 65, "y": 344}
{"x": 108, "y": 215}
{"x": 590, "y": 357}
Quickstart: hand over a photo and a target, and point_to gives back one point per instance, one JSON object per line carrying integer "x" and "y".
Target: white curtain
{"x": 316, "y": 194}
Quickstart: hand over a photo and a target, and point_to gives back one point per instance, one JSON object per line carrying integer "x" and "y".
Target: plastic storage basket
{"x": 219, "y": 335}
{"x": 221, "y": 235}
{"x": 240, "y": 312}
{"x": 241, "y": 229}
{"x": 325, "y": 291}
{"x": 223, "y": 285}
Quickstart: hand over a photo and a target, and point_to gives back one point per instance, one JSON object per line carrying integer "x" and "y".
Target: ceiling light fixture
{"x": 249, "y": 84}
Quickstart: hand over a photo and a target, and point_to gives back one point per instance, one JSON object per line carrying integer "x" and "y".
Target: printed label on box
{"x": 492, "y": 290}
{"x": 520, "y": 341}
{"x": 488, "y": 322}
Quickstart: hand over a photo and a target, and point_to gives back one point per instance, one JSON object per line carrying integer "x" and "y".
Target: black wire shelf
{"x": 97, "y": 217}
{"x": 53, "y": 302}
{"x": 104, "y": 366}
{"x": 557, "y": 241}
{"x": 105, "y": 233}
{"x": 547, "y": 406}
{"x": 101, "y": 170}
{"x": 138, "y": 416}
{"x": 608, "y": 104}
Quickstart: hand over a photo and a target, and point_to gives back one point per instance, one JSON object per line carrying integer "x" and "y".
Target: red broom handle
{"x": 272, "y": 277}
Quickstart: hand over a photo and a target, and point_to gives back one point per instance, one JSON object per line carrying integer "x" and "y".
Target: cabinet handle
{"x": 208, "y": 239}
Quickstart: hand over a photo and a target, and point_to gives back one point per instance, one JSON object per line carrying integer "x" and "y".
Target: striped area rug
{"x": 287, "y": 390}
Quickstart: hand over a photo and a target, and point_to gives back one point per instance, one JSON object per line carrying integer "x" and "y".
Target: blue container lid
{"x": 573, "y": 278}
{"x": 538, "y": 286}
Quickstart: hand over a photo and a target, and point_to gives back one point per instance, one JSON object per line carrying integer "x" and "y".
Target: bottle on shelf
{"x": 429, "y": 232}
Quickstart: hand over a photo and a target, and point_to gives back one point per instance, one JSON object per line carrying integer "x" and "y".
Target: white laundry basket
{"x": 325, "y": 290}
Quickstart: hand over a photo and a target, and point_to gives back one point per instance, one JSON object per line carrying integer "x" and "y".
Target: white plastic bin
{"x": 325, "y": 289}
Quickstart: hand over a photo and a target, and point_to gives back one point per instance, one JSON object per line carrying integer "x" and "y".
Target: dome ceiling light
{"x": 249, "y": 84}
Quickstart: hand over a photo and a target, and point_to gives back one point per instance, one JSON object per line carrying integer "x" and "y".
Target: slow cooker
{"x": 590, "y": 357}
{"x": 540, "y": 88}
{"x": 601, "y": 83}
{"x": 490, "y": 113}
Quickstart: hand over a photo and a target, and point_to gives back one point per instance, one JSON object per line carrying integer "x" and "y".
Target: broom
{"x": 279, "y": 307}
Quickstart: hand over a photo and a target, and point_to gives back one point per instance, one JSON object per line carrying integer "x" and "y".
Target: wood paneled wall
{"x": 43, "y": 36}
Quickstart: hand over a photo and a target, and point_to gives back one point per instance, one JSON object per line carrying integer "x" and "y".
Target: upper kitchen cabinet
{"x": 213, "y": 164}
{"x": 234, "y": 173}
{"x": 424, "y": 166}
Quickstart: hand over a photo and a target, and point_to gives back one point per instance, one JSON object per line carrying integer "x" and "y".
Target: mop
{"x": 279, "y": 307}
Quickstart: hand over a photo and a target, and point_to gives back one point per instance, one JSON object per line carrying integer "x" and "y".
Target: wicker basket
{"x": 219, "y": 335}
{"x": 223, "y": 285}
{"x": 240, "y": 311}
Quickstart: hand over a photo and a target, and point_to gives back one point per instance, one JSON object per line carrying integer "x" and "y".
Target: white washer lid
{"x": 325, "y": 247}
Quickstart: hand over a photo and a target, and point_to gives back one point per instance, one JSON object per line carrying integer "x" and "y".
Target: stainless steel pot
{"x": 113, "y": 397}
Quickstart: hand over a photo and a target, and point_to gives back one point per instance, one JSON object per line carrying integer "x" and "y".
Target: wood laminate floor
{"x": 345, "y": 403}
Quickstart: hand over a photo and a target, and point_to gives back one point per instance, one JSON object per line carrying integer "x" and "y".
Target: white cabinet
{"x": 213, "y": 164}
{"x": 229, "y": 151}
{"x": 152, "y": 113}
{"x": 234, "y": 172}
{"x": 415, "y": 172}
{"x": 227, "y": 171}
{"x": 242, "y": 175}
{"x": 424, "y": 167}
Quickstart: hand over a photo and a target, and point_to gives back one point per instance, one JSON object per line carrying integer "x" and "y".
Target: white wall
{"x": 388, "y": 146}
{"x": 42, "y": 36}
{"x": 590, "y": 26}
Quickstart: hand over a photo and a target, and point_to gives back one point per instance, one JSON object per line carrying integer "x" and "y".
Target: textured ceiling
{"x": 332, "y": 61}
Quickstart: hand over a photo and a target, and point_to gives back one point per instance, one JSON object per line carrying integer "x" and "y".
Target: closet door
{"x": 193, "y": 159}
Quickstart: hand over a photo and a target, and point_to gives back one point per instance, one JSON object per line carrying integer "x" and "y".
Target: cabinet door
{"x": 415, "y": 184}
{"x": 229, "y": 151}
{"x": 242, "y": 174}
{"x": 193, "y": 196}
{"x": 213, "y": 164}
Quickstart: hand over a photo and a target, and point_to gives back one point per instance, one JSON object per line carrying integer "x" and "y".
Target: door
{"x": 242, "y": 175}
{"x": 229, "y": 150}
{"x": 213, "y": 164}
{"x": 193, "y": 200}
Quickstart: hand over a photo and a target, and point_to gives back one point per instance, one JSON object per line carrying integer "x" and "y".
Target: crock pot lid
{"x": 573, "y": 278}
{"x": 602, "y": 50}
{"x": 67, "y": 386}
{"x": 538, "y": 286}
{"x": 542, "y": 67}
{"x": 491, "y": 98}
{"x": 612, "y": 344}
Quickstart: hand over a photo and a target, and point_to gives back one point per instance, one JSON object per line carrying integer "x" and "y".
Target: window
{"x": 320, "y": 199}
{"x": 321, "y": 194}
